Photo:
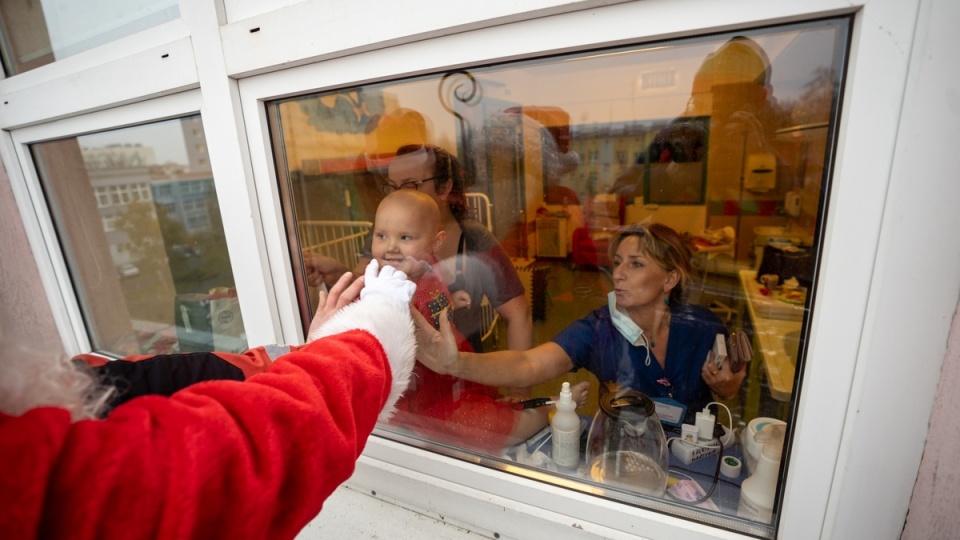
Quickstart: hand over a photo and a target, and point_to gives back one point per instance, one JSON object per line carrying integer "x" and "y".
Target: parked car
{"x": 128, "y": 270}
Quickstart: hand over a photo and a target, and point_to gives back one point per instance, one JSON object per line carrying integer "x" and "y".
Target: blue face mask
{"x": 625, "y": 325}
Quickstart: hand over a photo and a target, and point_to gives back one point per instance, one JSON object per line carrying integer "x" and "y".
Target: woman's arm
{"x": 516, "y": 313}
{"x": 437, "y": 349}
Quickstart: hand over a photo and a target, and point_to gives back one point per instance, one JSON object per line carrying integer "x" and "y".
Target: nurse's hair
{"x": 664, "y": 246}
{"x": 31, "y": 379}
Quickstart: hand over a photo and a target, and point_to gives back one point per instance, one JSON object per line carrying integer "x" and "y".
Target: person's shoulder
{"x": 477, "y": 236}
{"x": 472, "y": 227}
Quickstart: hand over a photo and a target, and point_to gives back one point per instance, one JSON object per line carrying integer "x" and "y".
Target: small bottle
{"x": 758, "y": 491}
{"x": 565, "y": 426}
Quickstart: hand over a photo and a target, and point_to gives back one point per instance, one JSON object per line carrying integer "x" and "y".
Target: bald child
{"x": 445, "y": 408}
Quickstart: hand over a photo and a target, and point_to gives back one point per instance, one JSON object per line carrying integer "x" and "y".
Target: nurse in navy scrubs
{"x": 647, "y": 338}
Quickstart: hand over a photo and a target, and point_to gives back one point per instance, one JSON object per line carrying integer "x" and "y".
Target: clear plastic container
{"x": 626, "y": 446}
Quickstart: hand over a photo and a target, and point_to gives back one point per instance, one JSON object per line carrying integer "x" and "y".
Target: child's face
{"x": 400, "y": 231}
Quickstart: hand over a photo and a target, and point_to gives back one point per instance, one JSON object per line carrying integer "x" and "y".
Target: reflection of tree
{"x": 814, "y": 103}
{"x": 159, "y": 243}
{"x": 149, "y": 296}
{"x": 198, "y": 261}
{"x": 212, "y": 247}
{"x": 144, "y": 238}
{"x": 343, "y": 112}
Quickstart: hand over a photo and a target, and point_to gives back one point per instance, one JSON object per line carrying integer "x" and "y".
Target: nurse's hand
{"x": 722, "y": 382}
{"x": 436, "y": 349}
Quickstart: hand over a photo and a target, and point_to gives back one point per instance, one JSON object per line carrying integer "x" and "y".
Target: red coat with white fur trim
{"x": 221, "y": 459}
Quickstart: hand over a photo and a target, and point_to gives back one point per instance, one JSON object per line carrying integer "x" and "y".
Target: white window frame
{"x": 880, "y": 321}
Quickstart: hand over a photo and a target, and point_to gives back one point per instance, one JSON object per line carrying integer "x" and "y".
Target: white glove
{"x": 389, "y": 283}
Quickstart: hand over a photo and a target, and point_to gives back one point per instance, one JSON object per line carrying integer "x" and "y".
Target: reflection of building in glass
{"x": 123, "y": 176}
{"x": 606, "y": 151}
{"x": 120, "y": 176}
{"x": 185, "y": 200}
{"x": 198, "y": 158}
{"x": 118, "y": 156}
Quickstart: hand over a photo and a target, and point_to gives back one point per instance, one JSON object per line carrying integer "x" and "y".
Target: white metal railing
{"x": 340, "y": 240}
{"x": 479, "y": 205}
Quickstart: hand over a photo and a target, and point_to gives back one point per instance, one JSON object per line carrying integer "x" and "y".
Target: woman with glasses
{"x": 473, "y": 263}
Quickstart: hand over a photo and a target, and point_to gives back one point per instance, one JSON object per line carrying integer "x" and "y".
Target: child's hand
{"x": 461, "y": 299}
{"x": 322, "y": 270}
{"x": 580, "y": 392}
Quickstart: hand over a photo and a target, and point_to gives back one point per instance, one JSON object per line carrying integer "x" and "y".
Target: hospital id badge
{"x": 670, "y": 411}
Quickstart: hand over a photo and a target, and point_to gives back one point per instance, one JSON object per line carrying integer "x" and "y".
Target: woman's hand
{"x": 723, "y": 382}
{"x": 436, "y": 349}
{"x": 328, "y": 303}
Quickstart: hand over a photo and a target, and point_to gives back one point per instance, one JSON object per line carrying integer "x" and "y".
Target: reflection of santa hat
{"x": 392, "y": 130}
{"x": 739, "y": 60}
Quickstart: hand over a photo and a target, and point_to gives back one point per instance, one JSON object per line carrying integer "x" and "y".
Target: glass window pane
{"x": 673, "y": 188}
{"x": 38, "y": 33}
{"x": 152, "y": 275}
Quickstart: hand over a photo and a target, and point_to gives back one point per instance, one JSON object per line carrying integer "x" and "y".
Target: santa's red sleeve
{"x": 220, "y": 459}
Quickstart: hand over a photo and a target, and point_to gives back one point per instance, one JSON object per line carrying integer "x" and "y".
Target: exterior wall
{"x": 25, "y": 315}
{"x": 936, "y": 497}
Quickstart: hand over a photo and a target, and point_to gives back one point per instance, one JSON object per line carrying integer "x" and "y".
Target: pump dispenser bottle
{"x": 565, "y": 426}
{"x": 758, "y": 491}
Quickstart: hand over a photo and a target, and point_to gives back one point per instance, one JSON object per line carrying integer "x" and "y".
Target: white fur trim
{"x": 393, "y": 327}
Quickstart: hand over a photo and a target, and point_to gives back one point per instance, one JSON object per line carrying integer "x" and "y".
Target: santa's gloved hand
{"x": 388, "y": 283}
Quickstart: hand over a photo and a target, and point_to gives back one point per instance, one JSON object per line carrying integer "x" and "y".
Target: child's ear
{"x": 441, "y": 237}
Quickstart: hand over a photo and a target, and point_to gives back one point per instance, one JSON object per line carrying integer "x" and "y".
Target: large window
{"x": 38, "y": 33}
{"x": 139, "y": 224}
{"x": 725, "y": 139}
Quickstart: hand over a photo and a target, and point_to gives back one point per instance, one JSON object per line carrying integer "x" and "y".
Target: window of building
{"x": 39, "y": 33}
{"x": 733, "y": 158}
{"x": 151, "y": 285}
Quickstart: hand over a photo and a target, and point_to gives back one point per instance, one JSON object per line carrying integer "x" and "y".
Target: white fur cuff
{"x": 393, "y": 328}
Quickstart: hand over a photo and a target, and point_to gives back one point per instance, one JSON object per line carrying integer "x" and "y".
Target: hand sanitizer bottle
{"x": 565, "y": 426}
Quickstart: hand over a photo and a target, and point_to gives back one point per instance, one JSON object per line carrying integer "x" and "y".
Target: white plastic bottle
{"x": 565, "y": 426}
{"x": 758, "y": 491}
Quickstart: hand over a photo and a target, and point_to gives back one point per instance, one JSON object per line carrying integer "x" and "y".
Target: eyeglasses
{"x": 388, "y": 188}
